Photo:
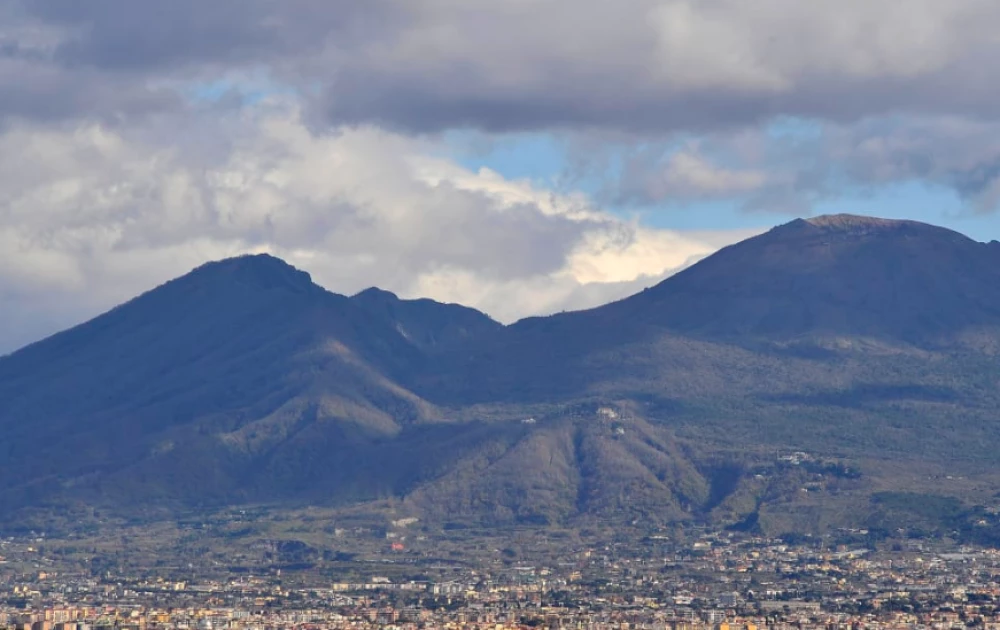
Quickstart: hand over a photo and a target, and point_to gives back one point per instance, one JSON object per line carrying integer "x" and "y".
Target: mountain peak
{"x": 260, "y": 270}
{"x": 853, "y": 221}
{"x": 849, "y": 225}
{"x": 375, "y": 294}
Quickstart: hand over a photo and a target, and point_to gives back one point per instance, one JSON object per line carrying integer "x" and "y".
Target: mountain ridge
{"x": 868, "y": 343}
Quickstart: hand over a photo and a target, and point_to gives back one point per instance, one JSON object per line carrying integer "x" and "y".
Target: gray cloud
{"x": 138, "y": 37}
{"x": 111, "y": 60}
{"x": 653, "y": 67}
{"x": 650, "y": 66}
{"x": 29, "y": 90}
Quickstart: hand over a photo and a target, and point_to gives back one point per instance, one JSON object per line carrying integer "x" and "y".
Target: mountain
{"x": 784, "y": 383}
{"x": 809, "y": 289}
{"x": 240, "y": 379}
{"x": 833, "y": 275}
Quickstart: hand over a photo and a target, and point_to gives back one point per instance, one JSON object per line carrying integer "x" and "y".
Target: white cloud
{"x": 92, "y": 215}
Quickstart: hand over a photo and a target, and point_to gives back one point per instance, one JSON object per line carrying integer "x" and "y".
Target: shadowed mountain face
{"x": 860, "y": 341}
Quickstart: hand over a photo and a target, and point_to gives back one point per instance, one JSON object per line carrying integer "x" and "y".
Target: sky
{"x": 519, "y": 156}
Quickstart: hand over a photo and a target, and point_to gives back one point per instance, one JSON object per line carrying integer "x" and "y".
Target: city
{"x": 720, "y": 581}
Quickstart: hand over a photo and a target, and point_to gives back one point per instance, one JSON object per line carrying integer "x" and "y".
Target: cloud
{"x": 956, "y": 153}
{"x": 952, "y": 153}
{"x": 650, "y": 66}
{"x": 91, "y": 215}
{"x": 663, "y": 66}
{"x": 684, "y": 175}
{"x": 769, "y": 169}
{"x": 125, "y": 36}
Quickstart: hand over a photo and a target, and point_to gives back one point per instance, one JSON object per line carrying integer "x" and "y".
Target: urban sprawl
{"x": 707, "y": 581}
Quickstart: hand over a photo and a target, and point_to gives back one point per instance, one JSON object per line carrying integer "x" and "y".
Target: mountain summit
{"x": 858, "y": 224}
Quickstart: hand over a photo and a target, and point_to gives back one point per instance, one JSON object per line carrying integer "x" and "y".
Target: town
{"x": 658, "y": 581}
